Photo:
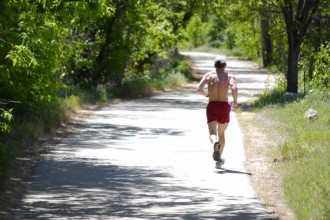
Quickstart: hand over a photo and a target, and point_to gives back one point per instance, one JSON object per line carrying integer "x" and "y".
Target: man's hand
{"x": 234, "y": 104}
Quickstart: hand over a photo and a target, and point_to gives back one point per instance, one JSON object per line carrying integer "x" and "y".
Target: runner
{"x": 218, "y": 109}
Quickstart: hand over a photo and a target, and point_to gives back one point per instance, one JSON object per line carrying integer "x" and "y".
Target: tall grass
{"x": 145, "y": 86}
{"x": 304, "y": 149}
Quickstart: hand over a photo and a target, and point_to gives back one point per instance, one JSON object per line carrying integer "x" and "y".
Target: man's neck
{"x": 219, "y": 70}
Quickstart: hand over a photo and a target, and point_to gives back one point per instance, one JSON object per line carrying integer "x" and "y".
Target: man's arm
{"x": 234, "y": 90}
{"x": 201, "y": 85}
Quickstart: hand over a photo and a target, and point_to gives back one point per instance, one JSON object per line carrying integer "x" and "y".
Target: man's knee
{"x": 222, "y": 128}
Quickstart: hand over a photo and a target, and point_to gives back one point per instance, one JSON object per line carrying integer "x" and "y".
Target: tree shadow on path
{"x": 86, "y": 189}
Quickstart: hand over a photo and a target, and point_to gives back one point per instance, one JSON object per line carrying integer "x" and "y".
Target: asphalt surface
{"x": 149, "y": 158}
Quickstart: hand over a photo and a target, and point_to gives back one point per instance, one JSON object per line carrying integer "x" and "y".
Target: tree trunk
{"x": 266, "y": 43}
{"x": 297, "y": 23}
{"x": 292, "y": 75}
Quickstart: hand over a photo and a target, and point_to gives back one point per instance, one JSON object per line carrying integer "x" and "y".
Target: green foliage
{"x": 95, "y": 95}
{"x": 321, "y": 77}
{"x": 57, "y": 55}
{"x": 274, "y": 96}
{"x": 70, "y": 104}
{"x": 184, "y": 67}
{"x": 134, "y": 40}
{"x": 241, "y": 32}
{"x": 36, "y": 55}
{"x": 136, "y": 87}
{"x": 145, "y": 86}
{"x": 196, "y": 33}
{"x": 257, "y": 28}
{"x": 315, "y": 68}
{"x": 215, "y": 27}
{"x": 5, "y": 119}
{"x": 247, "y": 36}
{"x": 171, "y": 74}
{"x": 230, "y": 37}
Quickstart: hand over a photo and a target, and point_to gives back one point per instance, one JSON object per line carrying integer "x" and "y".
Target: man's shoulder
{"x": 210, "y": 72}
{"x": 230, "y": 75}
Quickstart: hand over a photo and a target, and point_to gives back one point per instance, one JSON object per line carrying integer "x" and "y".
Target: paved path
{"x": 148, "y": 158}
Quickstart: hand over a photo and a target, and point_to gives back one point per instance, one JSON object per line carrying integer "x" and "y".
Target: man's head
{"x": 220, "y": 62}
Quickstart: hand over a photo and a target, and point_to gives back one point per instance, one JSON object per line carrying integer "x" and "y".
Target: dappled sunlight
{"x": 99, "y": 191}
{"x": 147, "y": 158}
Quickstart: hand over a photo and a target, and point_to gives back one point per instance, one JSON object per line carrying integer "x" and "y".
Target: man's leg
{"x": 213, "y": 131}
{"x": 221, "y": 134}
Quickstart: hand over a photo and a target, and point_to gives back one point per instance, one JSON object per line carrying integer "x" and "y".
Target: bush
{"x": 273, "y": 96}
{"x": 195, "y": 33}
{"x": 321, "y": 77}
{"x": 136, "y": 87}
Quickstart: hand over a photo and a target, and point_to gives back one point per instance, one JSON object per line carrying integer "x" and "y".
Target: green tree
{"x": 34, "y": 44}
{"x": 298, "y": 19}
{"x": 135, "y": 37}
{"x": 321, "y": 73}
{"x": 317, "y": 36}
{"x": 298, "y": 16}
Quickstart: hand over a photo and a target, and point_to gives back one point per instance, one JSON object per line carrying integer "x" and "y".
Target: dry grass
{"x": 261, "y": 153}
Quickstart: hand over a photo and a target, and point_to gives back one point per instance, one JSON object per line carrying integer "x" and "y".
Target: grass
{"x": 304, "y": 148}
{"x": 307, "y": 186}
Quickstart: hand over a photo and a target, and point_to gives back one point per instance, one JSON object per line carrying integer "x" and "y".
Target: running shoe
{"x": 216, "y": 153}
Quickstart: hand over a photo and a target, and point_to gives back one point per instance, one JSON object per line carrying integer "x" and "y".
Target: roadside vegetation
{"x": 302, "y": 148}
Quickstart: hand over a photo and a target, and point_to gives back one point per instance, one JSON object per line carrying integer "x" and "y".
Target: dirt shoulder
{"x": 262, "y": 162}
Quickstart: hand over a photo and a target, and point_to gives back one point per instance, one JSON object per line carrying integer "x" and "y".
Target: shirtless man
{"x": 218, "y": 82}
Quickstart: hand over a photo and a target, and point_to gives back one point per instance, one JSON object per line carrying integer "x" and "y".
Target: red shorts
{"x": 218, "y": 111}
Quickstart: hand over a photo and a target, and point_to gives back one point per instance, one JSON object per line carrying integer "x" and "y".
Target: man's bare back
{"x": 218, "y": 83}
